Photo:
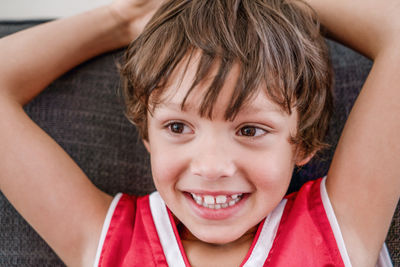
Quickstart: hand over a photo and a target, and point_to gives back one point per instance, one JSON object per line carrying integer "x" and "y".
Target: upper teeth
{"x": 221, "y": 199}
{"x": 217, "y": 202}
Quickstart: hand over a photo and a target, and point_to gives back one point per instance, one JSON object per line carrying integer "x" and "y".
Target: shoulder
{"x": 130, "y": 236}
{"x": 118, "y": 227}
{"x": 309, "y": 199}
{"x": 307, "y": 222}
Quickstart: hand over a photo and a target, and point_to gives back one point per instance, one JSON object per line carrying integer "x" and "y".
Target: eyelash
{"x": 256, "y": 132}
{"x": 169, "y": 126}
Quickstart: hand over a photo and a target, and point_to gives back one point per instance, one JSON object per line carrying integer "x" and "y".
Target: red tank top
{"x": 300, "y": 231}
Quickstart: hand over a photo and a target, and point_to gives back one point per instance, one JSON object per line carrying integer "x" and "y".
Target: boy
{"x": 247, "y": 160}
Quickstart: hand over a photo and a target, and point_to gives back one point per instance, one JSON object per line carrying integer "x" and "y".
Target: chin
{"x": 218, "y": 236}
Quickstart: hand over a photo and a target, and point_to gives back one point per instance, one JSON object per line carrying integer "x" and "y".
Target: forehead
{"x": 179, "y": 94}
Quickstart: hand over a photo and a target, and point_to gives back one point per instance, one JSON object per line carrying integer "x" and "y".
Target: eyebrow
{"x": 244, "y": 110}
{"x": 251, "y": 109}
{"x": 177, "y": 106}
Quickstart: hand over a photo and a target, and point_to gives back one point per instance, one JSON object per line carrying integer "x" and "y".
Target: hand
{"x": 134, "y": 14}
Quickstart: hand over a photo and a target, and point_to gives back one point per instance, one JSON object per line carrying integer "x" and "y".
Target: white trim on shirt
{"x": 106, "y": 225}
{"x": 334, "y": 224}
{"x": 267, "y": 236}
{"x": 165, "y": 231}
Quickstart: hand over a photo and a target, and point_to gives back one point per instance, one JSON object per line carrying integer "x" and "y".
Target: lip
{"x": 216, "y": 214}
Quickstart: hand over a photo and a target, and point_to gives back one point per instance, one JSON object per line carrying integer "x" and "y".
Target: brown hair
{"x": 276, "y": 43}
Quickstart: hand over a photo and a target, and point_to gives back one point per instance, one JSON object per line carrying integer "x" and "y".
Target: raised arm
{"x": 33, "y": 58}
{"x": 36, "y": 175}
{"x": 364, "y": 177}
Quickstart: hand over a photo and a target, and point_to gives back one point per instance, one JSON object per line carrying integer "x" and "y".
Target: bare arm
{"x": 364, "y": 178}
{"x": 37, "y": 176}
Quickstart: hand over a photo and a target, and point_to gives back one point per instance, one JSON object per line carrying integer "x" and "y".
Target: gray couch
{"x": 83, "y": 112}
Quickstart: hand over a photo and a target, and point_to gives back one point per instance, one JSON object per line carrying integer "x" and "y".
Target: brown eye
{"x": 248, "y": 131}
{"x": 251, "y": 131}
{"x": 177, "y": 127}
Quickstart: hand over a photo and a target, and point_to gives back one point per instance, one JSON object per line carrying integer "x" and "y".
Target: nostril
{"x": 213, "y": 169}
{"x": 213, "y": 159}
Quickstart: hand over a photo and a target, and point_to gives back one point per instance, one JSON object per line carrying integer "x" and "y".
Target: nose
{"x": 212, "y": 160}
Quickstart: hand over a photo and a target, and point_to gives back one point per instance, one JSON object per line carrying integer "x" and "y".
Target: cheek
{"x": 162, "y": 170}
{"x": 270, "y": 173}
{"x": 271, "y": 168}
{"x": 167, "y": 166}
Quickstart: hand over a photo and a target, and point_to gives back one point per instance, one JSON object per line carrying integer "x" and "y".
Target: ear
{"x": 147, "y": 145}
{"x": 302, "y": 159}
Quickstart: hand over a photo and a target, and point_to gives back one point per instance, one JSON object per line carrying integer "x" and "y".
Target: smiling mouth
{"x": 216, "y": 202}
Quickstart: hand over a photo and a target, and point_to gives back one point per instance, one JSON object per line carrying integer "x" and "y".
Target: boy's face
{"x": 240, "y": 169}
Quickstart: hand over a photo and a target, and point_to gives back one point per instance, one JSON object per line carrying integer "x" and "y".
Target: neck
{"x": 201, "y": 253}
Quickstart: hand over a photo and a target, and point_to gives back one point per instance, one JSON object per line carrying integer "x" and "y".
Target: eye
{"x": 251, "y": 131}
{"x": 178, "y": 128}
